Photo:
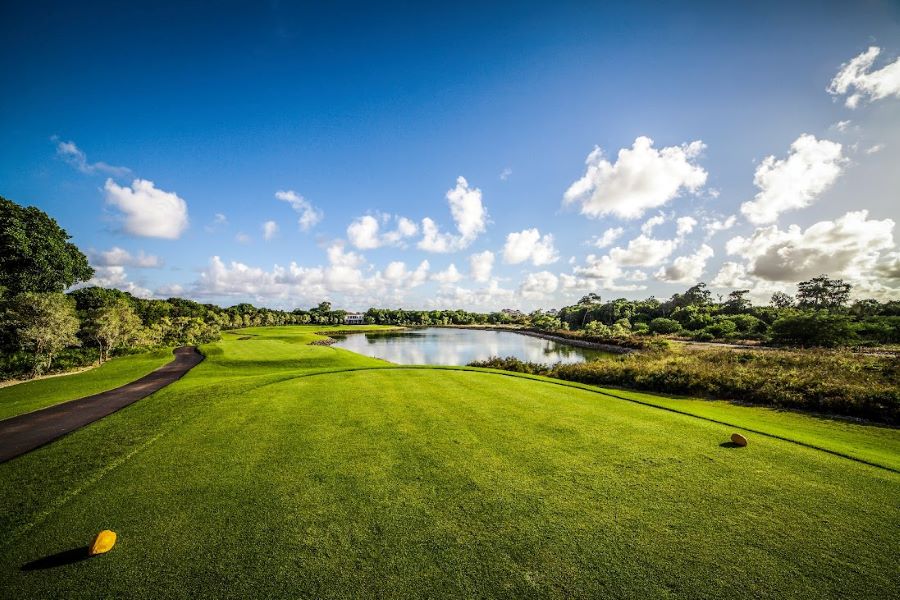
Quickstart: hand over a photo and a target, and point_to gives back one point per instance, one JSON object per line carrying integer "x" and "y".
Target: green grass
{"x": 271, "y": 470}
{"x": 32, "y": 395}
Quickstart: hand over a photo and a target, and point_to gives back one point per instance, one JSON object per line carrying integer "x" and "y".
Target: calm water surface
{"x": 440, "y": 346}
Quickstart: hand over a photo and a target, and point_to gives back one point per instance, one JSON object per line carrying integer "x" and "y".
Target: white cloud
{"x": 529, "y": 244}
{"x": 295, "y": 284}
{"x": 686, "y": 269}
{"x": 642, "y": 178}
{"x": 467, "y": 210}
{"x": 242, "y": 238}
{"x": 607, "y": 238}
{"x": 365, "y": 232}
{"x": 486, "y": 298}
{"x": 480, "y": 266}
{"x": 731, "y": 275}
{"x": 148, "y": 211}
{"x": 858, "y": 81}
{"x": 73, "y": 155}
{"x": 792, "y": 183}
{"x": 119, "y": 257}
{"x": 874, "y": 148}
{"x": 651, "y": 223}
{"x": 715, "y": 226}
{"x": 538, "y": 285}
{"x": 116, "y": 277}
{"x": 449, "y": 275}
{"x": 469, "y": 215}
{"x": 685, "y": 225}
{"x": 270, "y": 230}
{"x": 505, "y": 174}
{"x": 219, "y": 221}
{"x": 643, "y": 251}
{"x": 841, "y": 125}
{"x": 310, "y": 216}
{"x": 849, "y": 247}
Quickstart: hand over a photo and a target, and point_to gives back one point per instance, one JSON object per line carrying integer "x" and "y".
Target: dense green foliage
{"x": 279, "y": 469}
{"x": 824, "y": 382}
{"x": 819, "y": 316}
{"x": 35, "y": 252}
{"x": 389, "y": 316}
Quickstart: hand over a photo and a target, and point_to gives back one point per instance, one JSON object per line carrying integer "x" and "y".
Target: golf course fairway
{"x": 280, "y": 469}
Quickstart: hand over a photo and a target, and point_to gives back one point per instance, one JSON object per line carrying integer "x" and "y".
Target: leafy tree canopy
{"x": 35, "y": 252}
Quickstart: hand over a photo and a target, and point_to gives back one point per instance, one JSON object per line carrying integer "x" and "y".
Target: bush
{"x": 664, "y": 326}
{"x": 814, "y": 329}
{"x": 821, "y": 381}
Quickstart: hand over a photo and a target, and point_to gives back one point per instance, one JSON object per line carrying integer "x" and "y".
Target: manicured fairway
{"x": 32, "y": 395}
{"x": 271, "y": 470}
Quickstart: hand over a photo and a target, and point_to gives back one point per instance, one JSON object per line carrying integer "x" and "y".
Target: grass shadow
{"x": 66, "y": 557}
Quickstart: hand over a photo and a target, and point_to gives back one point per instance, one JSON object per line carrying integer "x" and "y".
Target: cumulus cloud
{"x": 73, "y": 155}
{"x": 538, "y": 285}
{"x": 643, "y": 251}
{"x": 365, "y": 232}
{"x": 811, "y": 167}
{"x": 858, "y": 81}
{"x": 310, "y": 216}
{"x": 685, "y": 225}
{"x": 714, "y": 226}
{"x": 642, "y": 178}
{"x": 848, "y": 247}
{"x": 343, "y": 274}
{"x": 686, "y": 269}
{"x": 449, "y": 275}
{"x": 468, "y": 214}
{"x": 731, "y": 275}
{"x": 480, "y": 266}
{"x": 529, "y": 244}
{"x": 607, "y": 238}
{"x": 148, "y": 211}
{"x": 485, "y": 298}
{"x": 119, "y": 257}
{"x": 270, "y": 230}
{"x": 115, "y": 276}
{"x": 651, "y": 223}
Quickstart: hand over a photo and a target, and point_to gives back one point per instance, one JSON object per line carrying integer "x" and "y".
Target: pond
{"x": 446, "y": 346}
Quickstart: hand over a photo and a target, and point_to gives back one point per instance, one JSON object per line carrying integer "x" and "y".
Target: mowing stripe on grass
{"x": 602, "y": 392}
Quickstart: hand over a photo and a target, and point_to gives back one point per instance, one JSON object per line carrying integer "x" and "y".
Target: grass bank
{"x": 32, "y": 395}
{"x": 820, "y": 381}
{"x": 280, "y": 469}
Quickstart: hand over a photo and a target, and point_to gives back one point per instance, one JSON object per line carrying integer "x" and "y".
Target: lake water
{"x": 443, "y": 346}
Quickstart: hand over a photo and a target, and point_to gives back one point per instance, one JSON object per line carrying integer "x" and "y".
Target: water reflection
{"x": 439, "y": 346}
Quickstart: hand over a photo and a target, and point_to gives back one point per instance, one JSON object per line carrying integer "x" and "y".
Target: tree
{"x": 822, "y": 292}
{"x": 814, "y": 328}
{"x": 113, "y": 326}
{"x": 781, "y": 300}
{"x": 35, "y": 252}
{"x": 663, "y": 325}
{"x": 737, "y": 302}
{"x": 45, "y": 323}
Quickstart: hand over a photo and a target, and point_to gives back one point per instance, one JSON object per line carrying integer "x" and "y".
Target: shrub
{"x": 819, "y": 328}
{"x": 821, "y": 381}
{"x": 663, "y": 325}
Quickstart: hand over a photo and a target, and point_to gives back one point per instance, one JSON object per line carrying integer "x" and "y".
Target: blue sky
{"x": 281, "y": 154}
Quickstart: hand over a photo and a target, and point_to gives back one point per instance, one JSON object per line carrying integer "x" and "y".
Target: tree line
{"x": 820, "y": 314}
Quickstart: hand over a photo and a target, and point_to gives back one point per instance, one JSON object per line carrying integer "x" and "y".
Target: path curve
{"x": 24, "y": 433}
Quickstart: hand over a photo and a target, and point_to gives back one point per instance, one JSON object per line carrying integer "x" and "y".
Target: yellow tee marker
{"x": 104, "y": 542}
